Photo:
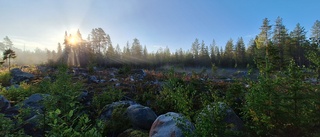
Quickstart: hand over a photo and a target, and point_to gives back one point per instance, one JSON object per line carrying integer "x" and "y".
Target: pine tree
{"x": 213, "y": 52}
{"x": 298, "y": 40}
{"x": 315, "y": 33}
{"x": 9, "y": 54}
{"x": 263, "y": 46}
{"x": 229, "y": 54}
{"x": 204, "y": 57}
{"x": 279, "y": 38}
{"x": 240, "y": 52}
{"x": 195, "y": 49}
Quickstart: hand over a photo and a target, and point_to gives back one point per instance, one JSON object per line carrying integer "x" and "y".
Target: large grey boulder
{"x": 170, "y": 124}
{"x": 4, "y": 104}
{"x": 34, "y": 103}
{"x": 19, "y": 76}
{"x": 108, "y": 109}
{"x": 141, "y": 116}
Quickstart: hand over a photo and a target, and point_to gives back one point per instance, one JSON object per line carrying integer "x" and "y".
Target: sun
{"x": 73, "y": 41}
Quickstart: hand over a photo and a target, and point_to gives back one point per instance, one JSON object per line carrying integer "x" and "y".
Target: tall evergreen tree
{"x": 298, "y": 41}
{"x": 204, "y": 57}
{"x": 213, "y": 52}
{"x": 9, "y": 54}
{"x": 263, "y": 46}
{"x": 240, "y": 53}
{"x": 136, "y": 49}
{"x": 195, "y": 49}
{"x": 280, "y": 35}
{"x": 229, "y": 54}
{"x": 315, "y": 33}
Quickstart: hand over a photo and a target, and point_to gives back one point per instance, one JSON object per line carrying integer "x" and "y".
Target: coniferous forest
{"x": 90, "y": 86}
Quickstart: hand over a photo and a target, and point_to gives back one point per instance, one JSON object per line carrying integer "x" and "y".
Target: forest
{"x": 274, "y": 41}
{"x": 101, "y": 89}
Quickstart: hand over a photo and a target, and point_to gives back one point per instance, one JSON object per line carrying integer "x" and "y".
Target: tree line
{"x": 274, "y": 44}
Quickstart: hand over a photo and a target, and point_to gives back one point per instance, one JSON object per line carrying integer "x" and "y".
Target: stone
{"x": 11, "y": 112}
{"x": 94, "y": 79}
{"x": 19, "y": 76}
{"x": 113, "y": 80}
{"x": 86, "y": 98}
{"x": 170, "y": 124}
{"x": 108, "y": 109}
{"x": 140, "y": 116}
{"x": 4, "y": 104}
{"x": 15, "y": 86}
{"x": 34, "y": 102}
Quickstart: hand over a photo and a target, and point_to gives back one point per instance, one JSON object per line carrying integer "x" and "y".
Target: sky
{"x": 176, "y": 24}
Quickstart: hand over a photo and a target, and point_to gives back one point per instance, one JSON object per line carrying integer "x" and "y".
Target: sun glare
{"x": 73, "y": 40}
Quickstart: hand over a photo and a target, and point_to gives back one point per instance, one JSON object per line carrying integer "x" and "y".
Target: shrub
{"x": 282, "y": 104}
{"x": 5, "y": 78}
{"x": 17, "y": 94}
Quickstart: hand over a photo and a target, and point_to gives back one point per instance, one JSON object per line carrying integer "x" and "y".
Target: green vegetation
{"x": 5, "y": 78}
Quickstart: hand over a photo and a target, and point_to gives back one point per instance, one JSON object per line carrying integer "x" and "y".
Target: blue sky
{"x": 156, "y": 23}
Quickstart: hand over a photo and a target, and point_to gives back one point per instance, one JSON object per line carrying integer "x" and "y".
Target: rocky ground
{"x": 129, "y": 81}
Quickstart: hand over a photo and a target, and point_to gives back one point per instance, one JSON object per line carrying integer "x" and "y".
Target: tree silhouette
{"x": 8, "y": 54}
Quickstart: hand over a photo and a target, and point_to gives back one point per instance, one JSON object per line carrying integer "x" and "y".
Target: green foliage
{"x": 118, "y": 123}
{"x": 17, "y": 94}
{"x": 106, "y": 97}
{"x": 5, "y": 78}
{"x": 9, "y": 129}
{"x": 235, "y": 96}
{"x": 70, "y": 124}
{"x": 176, "y": 96}
{"x": 210, "y": 122}
{"x": 282, "y": 104}
{"x": 125, "y": 69}
{"x": 66, "y": 117}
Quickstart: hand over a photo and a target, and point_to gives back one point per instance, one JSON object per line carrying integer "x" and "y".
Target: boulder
{"x": 19, "y": 76}
{"x": 11, "y": 112}
{"x": 86, "y": 98}
{"x": 140, "y": 116}
{"x": 4, "y": 104}
{"x": 115, "y": 117}
{"x": 108, "y": 109}
{"x": 94, "y": 79}
{"x": 34, "y": 103}
{"x": 170, "y": 124}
